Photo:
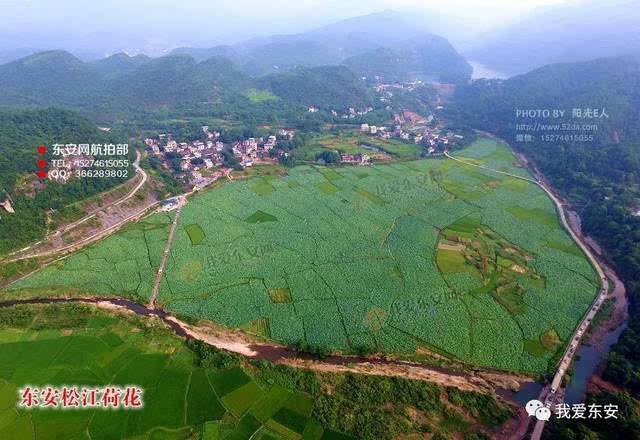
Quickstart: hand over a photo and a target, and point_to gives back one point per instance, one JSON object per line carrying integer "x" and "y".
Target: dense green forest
{"x": 265, "y": 80}
{"x": 20, "y": 133}
{"x": 115, "y": 86}
{"x": 122, "y": 88}
{"x": 599, "y": 177}
{"x": 626, "y": 426}
{"x": 324, "y": 87}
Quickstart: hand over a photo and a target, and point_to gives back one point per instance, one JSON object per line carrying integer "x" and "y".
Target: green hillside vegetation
{"x": 256, "y": 95}
{"x": 425, "y": 57}
{"x": 175, "y": 79}
{"x": 607, "y": 83}
{"x": 20, "y": 133}
{"x": 326, "y": 87}
{"x": 116, "y": 85}
{"x": 47, "y": 78}
{"x": 138, "y": 92}
{"x": 429, "y": 248}
{"x": 191, "y": 390}
{"x": 58, "y": 78}
{"x": 118, "y": 64}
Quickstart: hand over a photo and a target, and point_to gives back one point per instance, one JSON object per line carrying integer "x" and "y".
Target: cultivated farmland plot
{"x": 390, "y": 258}
{"x": 59, "y": 346}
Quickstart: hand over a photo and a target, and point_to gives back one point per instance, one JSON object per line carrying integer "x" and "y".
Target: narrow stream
{"x": 266, "y": 351}
{"x": 136, "y": 308}
{"x": 590, "y": 357}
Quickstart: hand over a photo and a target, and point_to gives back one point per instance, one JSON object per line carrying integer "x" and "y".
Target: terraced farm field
{"x": 424, "y": 254}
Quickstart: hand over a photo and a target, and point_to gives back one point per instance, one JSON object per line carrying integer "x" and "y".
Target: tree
{"x": 328, "y": 157}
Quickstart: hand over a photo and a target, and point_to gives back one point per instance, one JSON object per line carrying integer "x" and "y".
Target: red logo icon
{"x": 42, "y": 149}
{"x": 42, "y": 174}
{"x": 42, "y": 163}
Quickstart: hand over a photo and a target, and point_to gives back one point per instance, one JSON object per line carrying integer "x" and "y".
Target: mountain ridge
{"x": 573, "y": 32}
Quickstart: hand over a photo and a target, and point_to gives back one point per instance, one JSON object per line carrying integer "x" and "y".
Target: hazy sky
{"x": 157, "y": 24}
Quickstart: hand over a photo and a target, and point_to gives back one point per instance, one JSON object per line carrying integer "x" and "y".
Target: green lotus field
{"x": 426, "y": 254}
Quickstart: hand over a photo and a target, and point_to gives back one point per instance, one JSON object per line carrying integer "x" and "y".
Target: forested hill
{"x": 118, "y": 64}
{"x": 20, "y": 133}
{"x": 58, "y": 78}
{"x": 325, "y": 87}
{"x": 119, "y": 86}
{"x": 423, "y": 57}
{"x": 175, "y": 79}
{"x": 47, "y": 78}
{"x": 600, "y": 177}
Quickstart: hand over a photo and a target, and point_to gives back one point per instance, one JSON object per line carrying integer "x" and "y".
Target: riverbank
{"x": 239, "y": 342}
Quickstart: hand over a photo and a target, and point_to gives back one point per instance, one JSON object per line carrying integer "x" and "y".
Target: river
{"x": 482, "y": 71}
{"x": 589, "y": 358}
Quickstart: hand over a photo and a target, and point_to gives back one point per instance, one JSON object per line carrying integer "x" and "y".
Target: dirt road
{"x": 165, "y": 255}
{"x": 131, "y": 193}
{"x": 98, "y": 235}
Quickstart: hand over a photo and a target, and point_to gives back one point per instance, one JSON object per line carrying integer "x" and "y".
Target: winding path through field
{"x": 549, "y": 398}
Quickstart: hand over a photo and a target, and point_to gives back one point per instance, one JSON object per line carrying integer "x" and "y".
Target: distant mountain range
{"x": 382, "y": 44}
{"x": 577, "y": 31}
{"x": 321, "y": 68}
{"x": 406, "y": 45}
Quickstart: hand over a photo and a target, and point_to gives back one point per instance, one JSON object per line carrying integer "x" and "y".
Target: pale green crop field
{"x": 390, "y": 258}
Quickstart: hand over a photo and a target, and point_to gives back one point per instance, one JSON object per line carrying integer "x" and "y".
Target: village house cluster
{"x": 352, "y": 113}
{"x": 199, "y": 156}
{"x": 408, "y": 86}
{"x": 410, "y": 126}
{"x": 385, "y": 89}
{"x": 355, "y": 159}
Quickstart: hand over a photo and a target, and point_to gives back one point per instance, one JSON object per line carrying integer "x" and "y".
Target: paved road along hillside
{"x": 550, "y": 398}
